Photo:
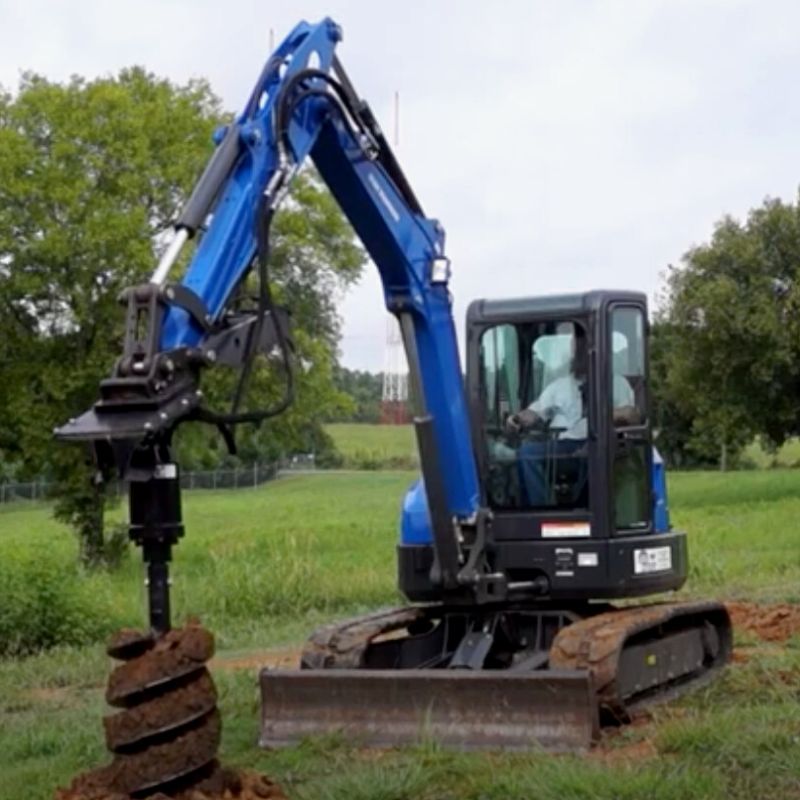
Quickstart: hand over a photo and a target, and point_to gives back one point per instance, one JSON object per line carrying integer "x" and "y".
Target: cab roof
{"x": 549, "y": 305}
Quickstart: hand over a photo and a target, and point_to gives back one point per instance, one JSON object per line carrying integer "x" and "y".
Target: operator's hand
{"x": 522, "y": 420}
{"x": 626, "y": 416}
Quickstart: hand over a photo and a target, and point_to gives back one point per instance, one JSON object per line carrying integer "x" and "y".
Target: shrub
{"x": 46, "y": 603}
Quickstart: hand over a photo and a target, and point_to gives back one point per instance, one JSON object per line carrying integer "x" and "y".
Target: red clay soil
{"x": 182, "y": 704}
{"x": 611, "y": 749}
{"x": 177, "y": 653}
{"x": 178, "y": 756}
{"x": 772, "y": 623}
{"x": 275, "y": 658}
{"x": 629, "y": 753}
{"x": 224, "y": 784}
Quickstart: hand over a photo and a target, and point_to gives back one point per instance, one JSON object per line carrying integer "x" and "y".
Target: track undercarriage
{"x": 514, "y": 676}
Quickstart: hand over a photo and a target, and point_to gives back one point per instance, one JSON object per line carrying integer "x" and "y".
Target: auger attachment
{"x": 165, "y": 734}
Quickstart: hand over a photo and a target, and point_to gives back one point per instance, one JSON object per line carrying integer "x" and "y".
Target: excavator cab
{"x": 579, "y": 363}
{"x": 561, "y": 429}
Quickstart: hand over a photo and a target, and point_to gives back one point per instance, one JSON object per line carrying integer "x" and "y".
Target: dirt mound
{"x": 773, "y": 623}
{"x": 276, "y": 658}
{"x": 222, "y": 784}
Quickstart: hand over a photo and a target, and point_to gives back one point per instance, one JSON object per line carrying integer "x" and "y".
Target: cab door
{"x": 630, "y": 448}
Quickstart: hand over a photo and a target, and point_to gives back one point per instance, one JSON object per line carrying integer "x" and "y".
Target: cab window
{"x": 533, "y": 391}
{"x": 631, "y": 441}
{"x": 627, "y": 367}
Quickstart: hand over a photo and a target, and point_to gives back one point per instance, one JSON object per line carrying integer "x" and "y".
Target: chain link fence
{"x": 230, "y": 478}
{"x": 242, "y": 478}
{"x": 32, "y": 491}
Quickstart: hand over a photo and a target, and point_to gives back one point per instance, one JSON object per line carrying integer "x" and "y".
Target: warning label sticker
{"x": 652, "y": 559}
{"x": 566, "y": 530}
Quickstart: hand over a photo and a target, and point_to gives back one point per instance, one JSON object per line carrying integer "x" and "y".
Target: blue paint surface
{"x": 403, "y": 244}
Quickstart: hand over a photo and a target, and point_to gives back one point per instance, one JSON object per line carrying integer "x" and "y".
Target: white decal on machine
{"x": 566, "y": 530}
{"x": 384, "y": 197}
{"x": 565, "y": 561}
{"x": 652, "y": 559}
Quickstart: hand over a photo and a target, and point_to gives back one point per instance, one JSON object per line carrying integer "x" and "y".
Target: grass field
{"x": 375, "y": 445}
{"x": 264, "y": 566}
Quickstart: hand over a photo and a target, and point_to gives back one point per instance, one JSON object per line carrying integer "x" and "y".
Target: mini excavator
{"x": 541, "y": 498}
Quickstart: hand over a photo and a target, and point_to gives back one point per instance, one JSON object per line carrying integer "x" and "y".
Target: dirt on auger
{"x": 165, "y": 737}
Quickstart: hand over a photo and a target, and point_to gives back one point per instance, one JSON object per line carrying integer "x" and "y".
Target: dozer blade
{"x": 554, "y": 710}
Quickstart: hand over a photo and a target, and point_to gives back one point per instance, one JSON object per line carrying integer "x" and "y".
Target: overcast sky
{"x": 564, "y": 145}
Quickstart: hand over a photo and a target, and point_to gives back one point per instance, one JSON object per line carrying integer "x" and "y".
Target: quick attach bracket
{"x": 144, "y": 373}
{"x": 150, "y": 390}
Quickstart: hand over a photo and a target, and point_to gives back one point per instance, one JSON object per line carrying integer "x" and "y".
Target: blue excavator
{"x": 541, "y": 498}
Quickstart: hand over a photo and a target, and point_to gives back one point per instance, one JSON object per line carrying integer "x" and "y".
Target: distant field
{"x": 395, "y": 445}
{"x": 264, "y": 566}
{"x": 375, "y": 445}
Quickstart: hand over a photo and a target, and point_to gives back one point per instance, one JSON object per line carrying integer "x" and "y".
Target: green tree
{"x": 364, "y": 390}
{"x": 672, "y": 426}
{"x": 731, "y": 313}
{"x": 91, "y": 173}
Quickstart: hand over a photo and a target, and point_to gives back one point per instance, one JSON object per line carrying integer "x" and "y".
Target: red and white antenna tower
{"x": 394, "y": 397}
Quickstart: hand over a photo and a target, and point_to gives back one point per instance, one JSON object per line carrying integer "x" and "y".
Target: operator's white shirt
{"x": 560, "y": 404}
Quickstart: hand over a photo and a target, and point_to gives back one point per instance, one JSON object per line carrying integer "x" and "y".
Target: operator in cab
{"x": 559, "y": 415}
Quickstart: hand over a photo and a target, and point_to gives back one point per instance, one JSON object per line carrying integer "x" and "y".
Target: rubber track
{"x": 342, "y": 645}
{"x": 596, "y": 644}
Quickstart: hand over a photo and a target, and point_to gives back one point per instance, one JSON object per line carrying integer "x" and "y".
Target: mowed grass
{"x": 252, "y": 563}
{"x": 376, "y": 445}
{"x": 263, "y": 567}
{"x": 744, "y": 532}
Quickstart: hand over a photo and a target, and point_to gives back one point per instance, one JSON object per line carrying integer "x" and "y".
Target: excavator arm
{"x": 303, "y": 106}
